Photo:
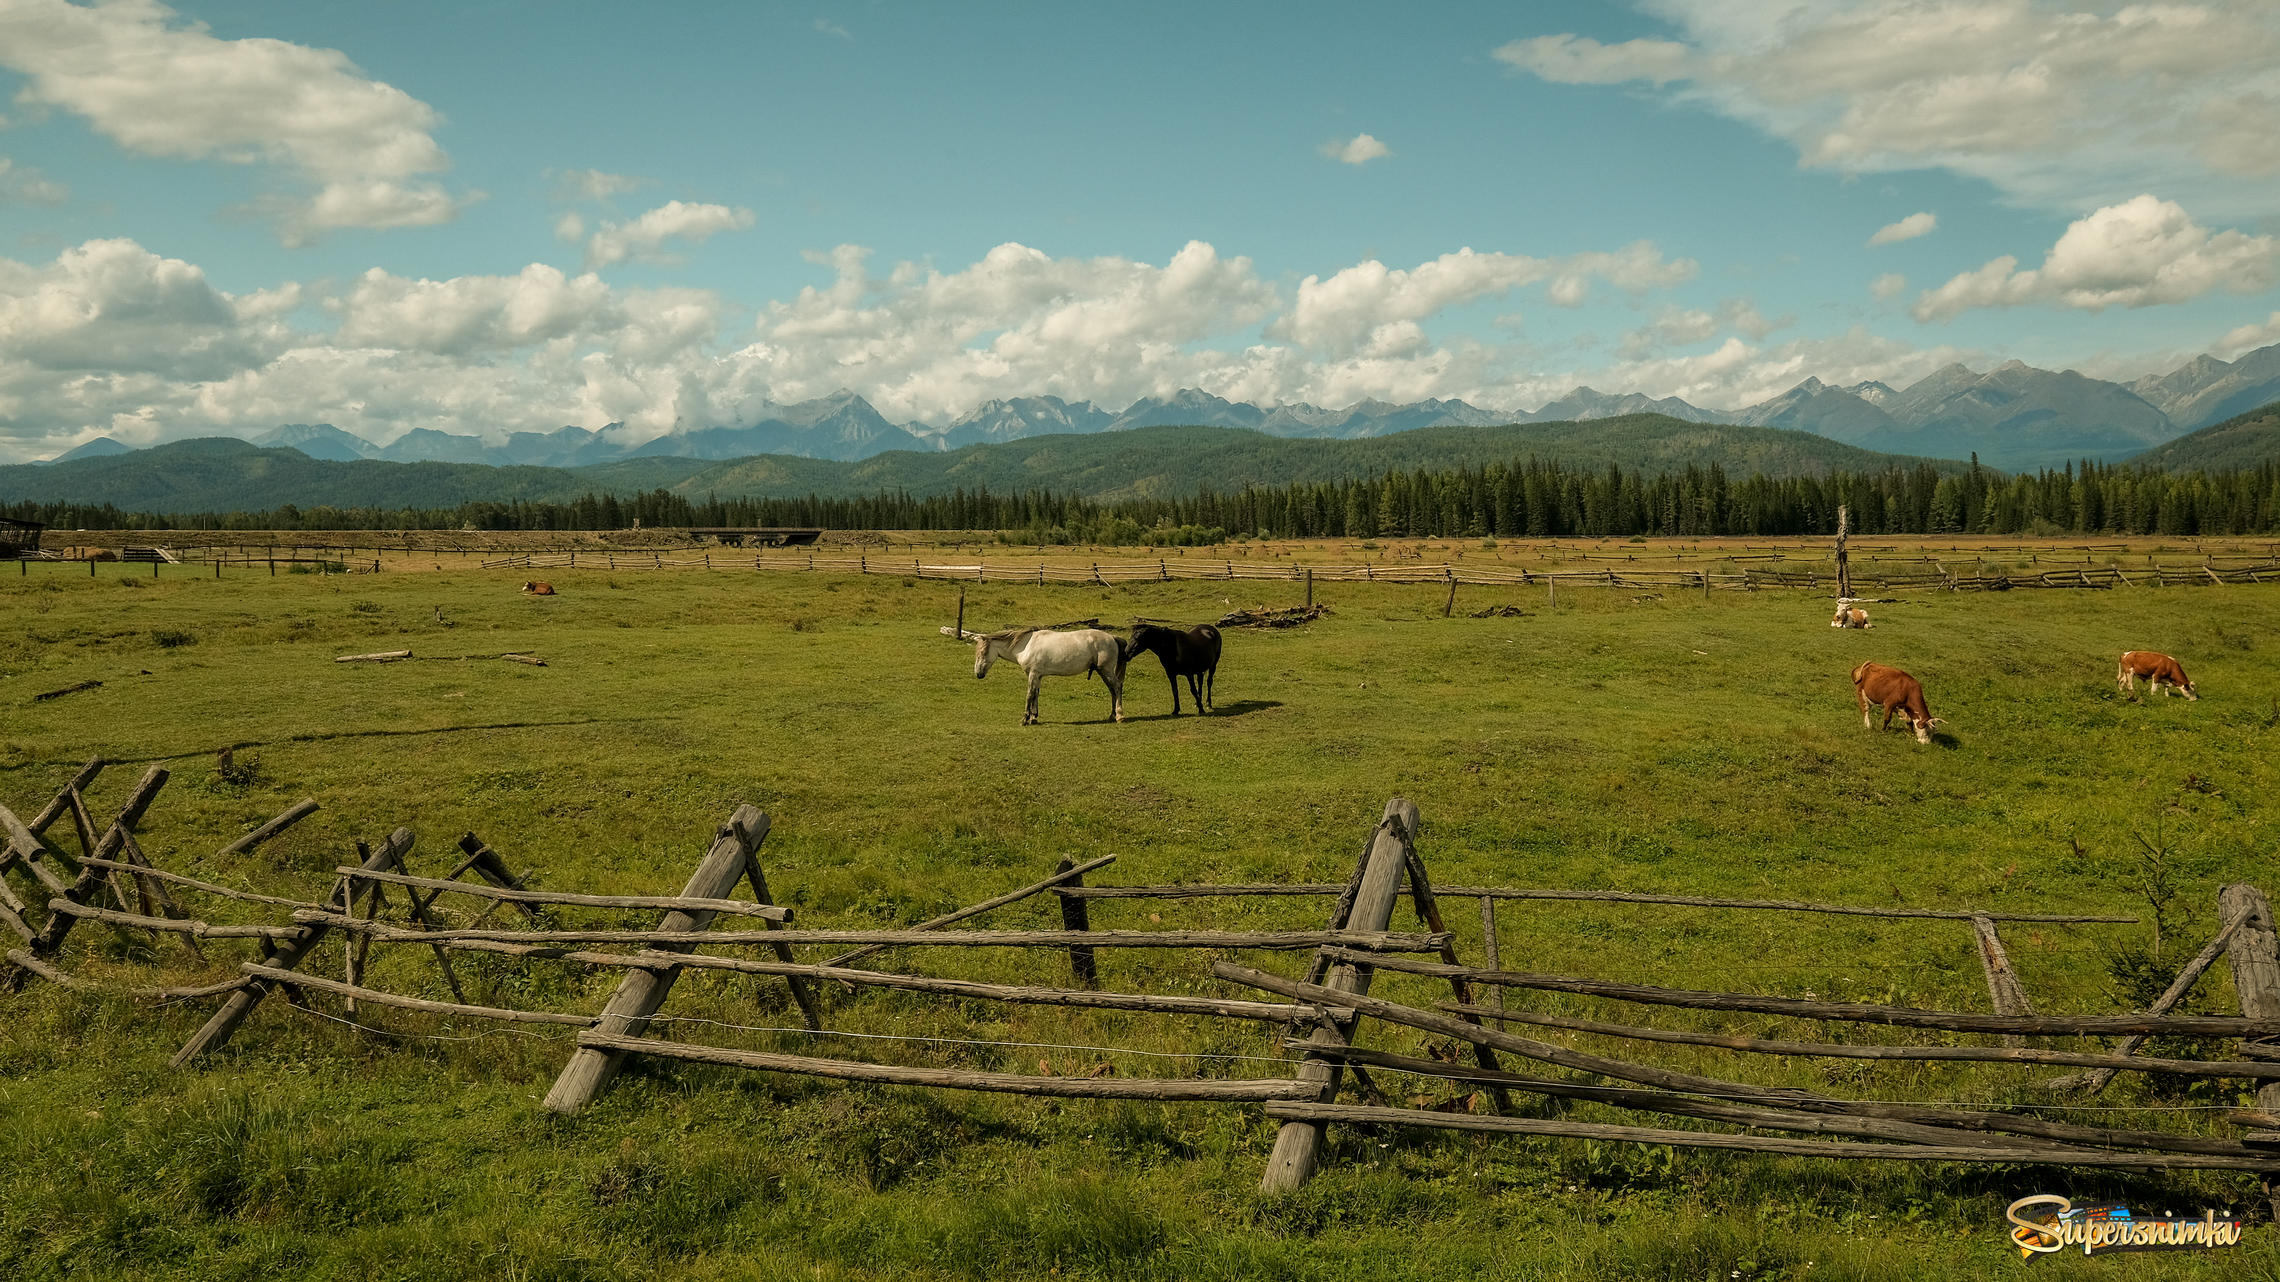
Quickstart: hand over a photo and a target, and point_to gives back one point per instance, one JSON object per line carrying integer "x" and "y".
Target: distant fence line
{"x": 1104, "y": 573}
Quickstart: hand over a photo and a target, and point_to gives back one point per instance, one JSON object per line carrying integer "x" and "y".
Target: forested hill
{"x": 1165, "y": 462}
{"x": 218, "y": 475}
{"x": 2244, "y": 440}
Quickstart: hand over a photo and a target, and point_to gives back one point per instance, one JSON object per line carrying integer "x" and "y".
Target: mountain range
{"x": 223, "y": 474}
{"x": 2014, "y": 416}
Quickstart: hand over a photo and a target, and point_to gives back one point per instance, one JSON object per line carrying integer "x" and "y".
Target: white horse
{"x": 1043, "y": 654}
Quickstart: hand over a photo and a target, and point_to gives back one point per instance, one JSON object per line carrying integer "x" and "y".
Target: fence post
{"x": 2255, "y": 956}
{"x": 1074, "y": 917}
{"x": 643, "y": 991}
{"x": 1298, "y": 1145}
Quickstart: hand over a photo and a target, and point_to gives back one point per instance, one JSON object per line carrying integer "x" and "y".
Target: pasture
{"x": 1620, "y": 740}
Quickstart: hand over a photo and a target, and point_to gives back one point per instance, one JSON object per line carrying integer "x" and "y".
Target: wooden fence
{"x": 1316, "y": 1019}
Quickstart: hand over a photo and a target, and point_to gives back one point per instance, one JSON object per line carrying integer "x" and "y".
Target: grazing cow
{"x": 2161, "y": 673}
{"x": 538, "y": 589}
{"x": 1043, "y": 653}
{"x": 1850, "y": 616}
{"x": 1193, "y": 654}
{"x": 1894, "y": 691}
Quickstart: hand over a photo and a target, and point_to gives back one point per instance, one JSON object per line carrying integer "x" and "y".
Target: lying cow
{"x": 538, "y": 589}
{"x": 1850, "y": 616}
{"x": 1895, "y": 692}
{"x": 2161, "y": 673}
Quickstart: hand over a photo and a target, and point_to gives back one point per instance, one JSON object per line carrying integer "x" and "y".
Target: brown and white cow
{"x": 538, "y": 589}
{"x": 1895, "y": 692}
{"x": 2161, "y": 673}
{"x": 1850, "y": 616}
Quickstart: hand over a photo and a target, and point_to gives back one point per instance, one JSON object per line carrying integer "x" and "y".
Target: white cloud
{"x": 570, "y": 228}
{"x": 1909, "y": 228}
{"x": 1357, "y": 150}
{"x": 2248, "y": 337}
{"x": 24, "y": 185}
{"x": 592, "y": 185}
{"x": 169, "y": 90}
{"x": 2140, "y": 253}
{"x": 825, "y": 26}
{"x": 111, "y": 307}
{"x": 1737, "y": 374}
{"x": 1675, "y": 326}
{"x": 1370, "y": 307}
{"x": 645, "y": 236}
{"x": 1579, "y": 60}
{"x": 1889, "y": 285}
{"x": 2062, "y": 105}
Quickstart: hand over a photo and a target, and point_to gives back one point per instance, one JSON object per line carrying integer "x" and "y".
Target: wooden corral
{"x": 1317, "y": 1020}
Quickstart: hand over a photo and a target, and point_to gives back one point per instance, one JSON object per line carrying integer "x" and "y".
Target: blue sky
{"x": 507, "y": 216}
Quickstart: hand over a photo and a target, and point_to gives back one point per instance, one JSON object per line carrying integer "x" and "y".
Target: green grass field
{"x": 1646, "y": 743}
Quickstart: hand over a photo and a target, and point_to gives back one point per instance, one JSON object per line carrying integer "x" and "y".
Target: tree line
{"x": 1529, "y": 498}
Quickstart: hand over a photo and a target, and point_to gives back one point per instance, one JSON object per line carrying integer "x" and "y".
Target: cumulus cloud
{"x": 24, "y": 185}
{"x": 2062, "y": 105}
{"x": 1888, "y": 286}
{"x": 160, "y": 88}
{"x": 644, "y": 237}
{"x": 1372, "y": 308}
{"x": 2248, "y": 337}
{"x": 1360, "y": 149}
{"x": 2140, "y": 253}
{"x": 110, "y": 338}
{"x": 1909, "y": 228}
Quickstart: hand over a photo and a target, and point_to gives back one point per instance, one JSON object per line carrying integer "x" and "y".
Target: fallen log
{"x": 46, "y": 695}
{"x": 293, "y": 814}
{"x": 383, "y": 656}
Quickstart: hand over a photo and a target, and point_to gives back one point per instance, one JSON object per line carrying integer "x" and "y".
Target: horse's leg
{"x": 1029, "y": 715}
{"x": 1211, "y": 684}
{"x": 1115, "y": 696}
{"x": 1169, "y": 676}
{"x": 1195, "y": 687}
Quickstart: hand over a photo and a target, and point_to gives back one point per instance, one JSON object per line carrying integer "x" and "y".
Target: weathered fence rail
{"x": 1317, "y": 1022}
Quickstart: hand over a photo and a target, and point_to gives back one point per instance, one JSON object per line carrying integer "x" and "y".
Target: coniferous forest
{"x": 1526, "y": 498}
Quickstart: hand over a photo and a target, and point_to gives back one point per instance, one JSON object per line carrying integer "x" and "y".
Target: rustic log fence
{"x": 1316, "y": 1023}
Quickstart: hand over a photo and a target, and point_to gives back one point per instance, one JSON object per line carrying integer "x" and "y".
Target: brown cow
{"x": 1894, "y": 691}
{"x": 1850, "y": 616}
{"x": 538, "y": 589}
{"x": 2161, "y": 673}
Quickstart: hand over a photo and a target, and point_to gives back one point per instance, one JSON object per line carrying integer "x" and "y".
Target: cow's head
{"x": 1924, "y": 727}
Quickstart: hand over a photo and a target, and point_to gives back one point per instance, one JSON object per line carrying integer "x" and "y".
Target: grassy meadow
{"x": 1620, "y": 740}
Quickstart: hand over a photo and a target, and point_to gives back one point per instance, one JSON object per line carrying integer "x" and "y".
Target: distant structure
{"x": 762, "y": 536}
{"x": 19, "y": 539}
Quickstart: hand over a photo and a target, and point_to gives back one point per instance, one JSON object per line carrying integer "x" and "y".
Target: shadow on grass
{"x": 1241, "y": 708}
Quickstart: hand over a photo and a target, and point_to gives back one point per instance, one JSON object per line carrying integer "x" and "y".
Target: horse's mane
{"x": 1009, "y": 634}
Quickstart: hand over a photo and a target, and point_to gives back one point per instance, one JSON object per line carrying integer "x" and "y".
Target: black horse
{"x": 1193, "y": 654}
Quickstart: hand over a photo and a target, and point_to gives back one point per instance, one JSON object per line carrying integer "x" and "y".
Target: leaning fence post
{"x": 643, "y": 991}
{"x": 1075, "y": 917}
{"x": 1298, "y": 1145}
